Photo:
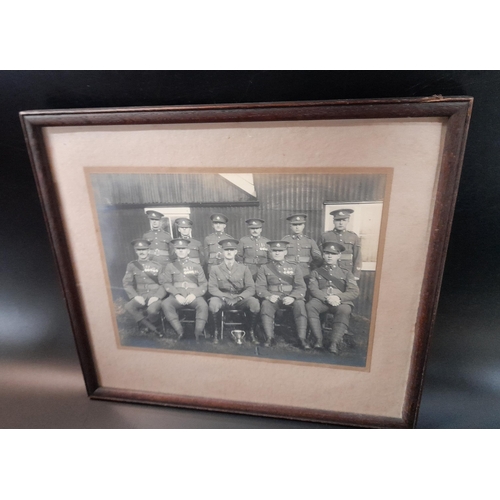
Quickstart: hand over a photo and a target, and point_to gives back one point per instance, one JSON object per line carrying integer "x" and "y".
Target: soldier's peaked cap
{"x": 343, "y": 213}
{"x": 333, "y": 247}
{"x": 219, "y": 218}
{"x": 180, "y": 242}
{"x": 297, "y": 218}
{"x": 228, "y": 243}
{"x": 153, "y": 214}
{"x": 278, "y": 244}
{"x": 140, "y": 243}
{"x": 184, "y": 222}
{"x": 254, "y": 223}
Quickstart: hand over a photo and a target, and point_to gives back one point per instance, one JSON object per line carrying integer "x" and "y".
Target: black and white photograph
{"x": 271, "y": 265}
{"x": 279, "y": 259}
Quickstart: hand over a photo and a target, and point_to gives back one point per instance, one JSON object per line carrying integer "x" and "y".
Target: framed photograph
{"x": 275, "y": 259}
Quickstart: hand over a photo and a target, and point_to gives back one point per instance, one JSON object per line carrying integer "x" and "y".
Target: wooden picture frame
{"x": 411, "y": 150}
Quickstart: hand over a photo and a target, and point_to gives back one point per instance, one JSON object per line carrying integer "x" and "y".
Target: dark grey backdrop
{"x": 40, "y": 380}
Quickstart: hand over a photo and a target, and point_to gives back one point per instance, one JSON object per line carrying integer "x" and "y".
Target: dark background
{"x": 40, "y": 380}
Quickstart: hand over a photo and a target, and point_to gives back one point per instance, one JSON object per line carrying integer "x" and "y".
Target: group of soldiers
{"x": 254, "y": 274}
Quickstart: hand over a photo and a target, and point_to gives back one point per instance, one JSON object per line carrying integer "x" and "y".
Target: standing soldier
{"x": 211, "y": 248}
{"x": 159, "y": 240}
{"x": 186, "y": 283}
{"x": 351, "y": 259}
{"x": 232, "y": 287}
{"x": 185, "y": 228}
{"x": 143, "y": 288}
{"x": 281, "y": 284}
{"x": 333, "y": 289}
{"x": 253, "y": 249}
{"x": 301, "y": 250}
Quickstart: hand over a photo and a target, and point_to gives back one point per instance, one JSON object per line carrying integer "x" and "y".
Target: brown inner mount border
{"x": 456, "y": 109}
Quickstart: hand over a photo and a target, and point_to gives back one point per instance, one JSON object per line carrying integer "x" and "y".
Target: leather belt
{"x": 185, "y": 284}
{"x": 195, "y": 260}
{"x": 148, "y": 288}
{"x": 280, "y": 288}
{"x": 347, "y": 257}
{"x": 298, "y": 258}
{"x": 157, "y": 251}
{"x": 255, "y": 260}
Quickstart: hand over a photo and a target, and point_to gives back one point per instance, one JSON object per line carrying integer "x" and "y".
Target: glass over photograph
{"x": 280, "y": 266}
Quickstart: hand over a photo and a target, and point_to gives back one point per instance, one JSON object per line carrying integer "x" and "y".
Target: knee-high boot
{"x": 315, "y": 324}
{"x": 145, "y": 322}
{"x": 254, "y": 318}
{"x": 268, "y": 325}
{"x": 216, "y": 327}
{"x": 199, "y": 326}
{"x": 301, "y": 324}
{"x": 177, "y": 326}
{"x": 339, "y": 330}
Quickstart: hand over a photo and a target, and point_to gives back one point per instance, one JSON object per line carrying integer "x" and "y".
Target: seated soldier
{"x": 333, "y": 290}
{"x": 281, "y": 284}
{"x": 186, "y": 283}
{"x": 232, "y": 287}
{"x": 143, "y": 288}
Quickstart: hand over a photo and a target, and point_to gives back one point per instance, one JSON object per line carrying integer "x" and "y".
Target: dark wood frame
{"x": 456, "y": 109}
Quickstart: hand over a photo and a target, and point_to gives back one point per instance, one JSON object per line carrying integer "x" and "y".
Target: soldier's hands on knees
{"x": 140, "y": 299}
{"x": 179, "y": 298}
{"x": 333, "y": 300}
{"x": 274, "y": 298}
{"x": 152, "y": 300}
{"x": 231, "y": 302}
{"x": 189, "y": 299}
{"x": 288, "y": 301}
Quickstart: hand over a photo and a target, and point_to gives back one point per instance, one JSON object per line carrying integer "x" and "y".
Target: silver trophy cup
{"x": 238, "y": 336}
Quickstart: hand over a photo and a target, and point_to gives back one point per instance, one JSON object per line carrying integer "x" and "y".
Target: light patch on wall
{"x": 243, "y": 181}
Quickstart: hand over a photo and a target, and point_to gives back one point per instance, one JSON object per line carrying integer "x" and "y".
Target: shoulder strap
{"x": 341, "y": 285}
{"x": 139, "y": 266}
{"x": 178, "y": 265}
{"x": 274, "y": 270}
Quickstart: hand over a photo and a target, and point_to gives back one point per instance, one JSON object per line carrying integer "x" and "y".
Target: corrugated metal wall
{"x": 278, "y": 197}
{"x": 171, "y": 189}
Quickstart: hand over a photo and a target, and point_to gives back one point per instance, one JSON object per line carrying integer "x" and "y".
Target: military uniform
{"x": 184, "y": 277}
{"x": 141, "y": 280}
{"x": 226, "y": 285}
{"x": 285, "y": 280}
{"x": 326, "y": 281}
{"x": 351, "y": 259}
{"x": 159, "y": 250}
{"x": 253, "y": 250}
{"x": 302, "y": 250}
{"x": 196, "y": 253}
{"x": 211, "y": 247}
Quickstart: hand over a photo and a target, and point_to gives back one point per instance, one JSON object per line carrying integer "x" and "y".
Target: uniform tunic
{"x": 212, "y": 249}
{"x": 196, "y": 253}
{"x": 303, "y": 251}
{"x": 321, "y": 288}
{"x": 350, "y": 260}
{"x": 231, "y": 284}
{"x": 253, "y": 252}
{"x": 137, "y": 282}
{"x": 190, "y": 280}
{"x": 268, "y": 283}
{"x": 343, "y": 285}
{"x": 160, "y": 249}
